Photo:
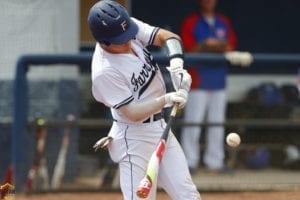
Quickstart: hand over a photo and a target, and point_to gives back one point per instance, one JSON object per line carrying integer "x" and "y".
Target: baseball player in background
{"x": 127, "y": 79}
{"x": 207, "y": 31}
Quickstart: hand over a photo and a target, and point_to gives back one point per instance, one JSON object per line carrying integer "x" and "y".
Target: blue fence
{"x": 20, "y": 138}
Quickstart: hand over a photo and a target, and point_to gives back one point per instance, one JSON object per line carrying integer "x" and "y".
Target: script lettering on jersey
{"x": 142, "y": 79}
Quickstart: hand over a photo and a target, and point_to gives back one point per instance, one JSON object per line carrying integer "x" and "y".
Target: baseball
{"x": 233, "y": 140}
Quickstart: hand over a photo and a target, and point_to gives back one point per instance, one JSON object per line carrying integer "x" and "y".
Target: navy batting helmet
{"x": 110, "y": 23}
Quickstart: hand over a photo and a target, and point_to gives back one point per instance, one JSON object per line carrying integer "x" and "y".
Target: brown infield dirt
{"x": 279, "y": 195}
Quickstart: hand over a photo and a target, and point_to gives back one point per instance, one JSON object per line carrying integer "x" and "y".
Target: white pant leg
{"x": 194, "y": 113}
{"x": 174, "y": 175}
{"x": 130, "y": 176}
{"x": 214, "y": 153}
{"x": 133, "y": 156}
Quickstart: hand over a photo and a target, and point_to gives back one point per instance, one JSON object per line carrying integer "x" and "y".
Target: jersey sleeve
{"x": 146, "y": 33}
{"x": 111, "y": 89}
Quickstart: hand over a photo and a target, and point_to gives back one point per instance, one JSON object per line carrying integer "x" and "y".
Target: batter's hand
{"x": 179, "y": 76}
{"x": 102, "y": 143}
{"x": 180, "y": 79}
{"x": 179, "y": 97}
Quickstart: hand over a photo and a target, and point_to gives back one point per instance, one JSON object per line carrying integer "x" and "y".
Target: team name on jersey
{"x": 142, "y": 79}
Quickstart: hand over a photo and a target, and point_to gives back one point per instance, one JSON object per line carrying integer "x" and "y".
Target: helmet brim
{"x": 129, "y": 34}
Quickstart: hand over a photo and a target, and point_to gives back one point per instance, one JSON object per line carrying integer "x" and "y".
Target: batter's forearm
{"x": 137, "y": 111}
{"x": 141, "y": 110}
{"x": 172, "y": 43}
{"x": 162, "y": 35}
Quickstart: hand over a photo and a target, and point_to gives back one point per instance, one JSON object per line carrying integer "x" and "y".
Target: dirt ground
{"x": 282, "y": 195}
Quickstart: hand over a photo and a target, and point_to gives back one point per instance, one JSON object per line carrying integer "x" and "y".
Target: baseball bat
{"x": 43, "y": 173}
{"x": 155, "y": 160}
{"x": 59, "y": 169}
{"x": 38, "y": 167}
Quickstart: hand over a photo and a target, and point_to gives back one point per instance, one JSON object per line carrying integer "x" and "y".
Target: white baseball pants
{"x": 212, "y": 105}
{"x": 132, "y": 148}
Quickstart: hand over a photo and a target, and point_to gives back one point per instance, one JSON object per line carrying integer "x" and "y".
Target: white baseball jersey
{"x": 119, "y": 79}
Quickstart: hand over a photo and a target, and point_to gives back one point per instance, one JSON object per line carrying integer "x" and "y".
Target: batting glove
{"x": 180, "y": 79}
{"x": 179, "y": 76}
{"x": 102, "y": 143}
{"x": 179, "y": 97}
{"x": 176, "y": 64}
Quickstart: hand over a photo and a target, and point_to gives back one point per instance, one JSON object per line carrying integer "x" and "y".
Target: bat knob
{"x": 144, "y": 188}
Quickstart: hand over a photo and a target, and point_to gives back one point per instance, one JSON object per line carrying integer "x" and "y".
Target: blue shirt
{"x": 209, "y": 77}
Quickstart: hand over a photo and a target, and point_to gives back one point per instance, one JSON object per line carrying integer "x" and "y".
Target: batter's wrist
{"x": 167, "y": 100}
{"x": 176, "y": 62}
{"x": 161, "y": 100}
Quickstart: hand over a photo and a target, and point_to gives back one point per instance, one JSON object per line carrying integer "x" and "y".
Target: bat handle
{"x": 174, "y": 110}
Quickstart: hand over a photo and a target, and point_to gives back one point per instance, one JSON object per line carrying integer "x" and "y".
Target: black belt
{"x": 156, "y": 117}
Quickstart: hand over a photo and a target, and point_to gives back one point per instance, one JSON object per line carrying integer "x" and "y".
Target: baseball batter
{"x": 127, "y": 79}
